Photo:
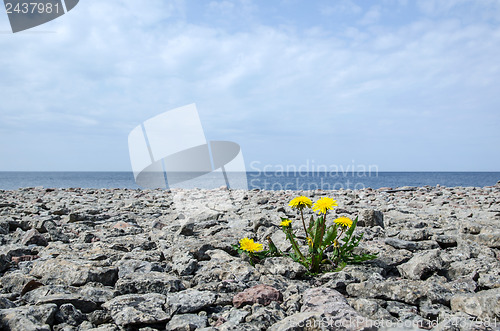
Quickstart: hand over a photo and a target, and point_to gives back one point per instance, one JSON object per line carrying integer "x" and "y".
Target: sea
{"x": 12, "y": 180}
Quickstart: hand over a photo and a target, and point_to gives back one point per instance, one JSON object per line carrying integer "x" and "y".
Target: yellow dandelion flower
{"x": 309, "y": 241}
{"x": 343, "y": 221}
{"x": 323, "y": 204}
{"x": 300, "y": 202}
{"x": 285, "y": 222}
{"x": 249, "y": 245}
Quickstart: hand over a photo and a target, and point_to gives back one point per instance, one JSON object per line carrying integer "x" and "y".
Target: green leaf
{"x": 311, "y": 224}
{"x": 330, "y": 236}
{"x": 349, "y": 232}
{"x": 317, "y": 232}
{"x": 273, "y": 250}
{"x": 341, "y": 266}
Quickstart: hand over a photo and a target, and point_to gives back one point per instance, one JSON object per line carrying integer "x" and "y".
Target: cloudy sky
{"x": 404, "y": 85}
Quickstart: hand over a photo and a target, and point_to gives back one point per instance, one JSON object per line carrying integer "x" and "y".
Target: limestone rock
{"x": 483, "y": 304}
{"x": 33, "y": 237}
{"x": 68, "y": 314}
{"x": 132, "y": 309}
{"x": 421, "y": 265}
{"x": 300, "y": 322}
{"x": 73, "y": 272}
{"x": 152, "y": 282}
{"x": 284, "y": 266}
{"x": 370, "y": 218}
{"x": 191, "y": 300}
{"x": 336, "y": 309}
{"x": 29, "y": 318}
{"x": 186, "y": 322}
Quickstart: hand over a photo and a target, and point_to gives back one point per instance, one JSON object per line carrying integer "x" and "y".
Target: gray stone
{"x": 408, "y": 291}
{"x": 401, "y": 310}
{"x": 339, "y": 280}
{"x": 234, "y": 316}
{"x": 412, "y": 245}
{"x": 300, "y": 322}
{"x": 4, "y": 263}
{"x": 421, "y": 265}
{"x": 223, "y": 266}
{"x": 263, "y": 317}
{"x": 488, "y": 236}
{"x": 461, "y": 323}
{"x": 131, "y": 309}
{"x": 98, "y": 317}
{"x": 85, "y": 299}
{"x": 68, "y": 314}
{"x": 370, "y": 218}
{"x": 152, "y": 282}
{"x": 6, "y": 303}
{"x": 28, "y": 318}
{"x": 33, "y": 237}
{"x": 470, "y": 268}
{"x": 105, "y": 327}
{"x": 483, "y": 304}
{"x": 279, "y": 239}
{"x": 335, "y": 307}
{"x": 128, "y": 266}
{"x": 371, "y": 308}
{"x": 73, "y": 272}
{"x": 414, "y": 235}
{"x": 147, "y": 241}
{"x": 433, "y": 311}
{"x": 14, "y": 282}
{"x": 388, "y": 257}
{"x": 186, "y": 322}
{"x": 191, "y": 300}
{"x": 489, "y": 280}
{"x": 184, "y": 264}
{"x": 283, "y": 266}
{"x": 55, "y": 231}
{"x": 4, "y": 227}
{"x": 446, "y": 241}
{"x": 401, "y": 244}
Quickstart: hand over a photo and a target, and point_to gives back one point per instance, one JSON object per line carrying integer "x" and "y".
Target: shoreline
{"x": 261, "y": 180}
{"x": 80, "y": 257}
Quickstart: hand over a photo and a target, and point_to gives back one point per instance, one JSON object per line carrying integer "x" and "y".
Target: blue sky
{"x": 403, "y": 85}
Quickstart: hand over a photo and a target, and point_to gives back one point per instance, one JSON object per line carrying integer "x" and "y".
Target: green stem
{"x": 294, "y": 246}
{"x": 322, "y": 233}
{"x": 303, "y": 223}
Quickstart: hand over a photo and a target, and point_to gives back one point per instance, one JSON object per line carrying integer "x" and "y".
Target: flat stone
{"x": 401, "y": 244}
{"x": 483, "y": 304}
{"x": 407, "y": 291}
{"x": 39, "y": 318}
{"x": 152, "y": 282}
{"x": 421, "y": 265}
{"x": 73, "y": 272}
{"x": 370, "y": 218}
{"x": 191, "y": 300}
{"x": 186, "y": 322}
{"x": 33, "y": 237}
{"x": 335, "y": 307}
{"x": 300, "y": 322}
{"x": 133, "y": 309}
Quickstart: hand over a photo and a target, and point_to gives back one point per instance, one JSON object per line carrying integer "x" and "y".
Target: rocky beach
{"x": 121, "y": 259}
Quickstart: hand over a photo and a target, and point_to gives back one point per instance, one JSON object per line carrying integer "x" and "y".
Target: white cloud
{"x": 371, "y": 16}
{"x": 343, "y": 7}
{"x": 113, "y": 64}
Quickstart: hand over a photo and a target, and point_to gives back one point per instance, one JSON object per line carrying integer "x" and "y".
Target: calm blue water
{"x": 262, "y": 180}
